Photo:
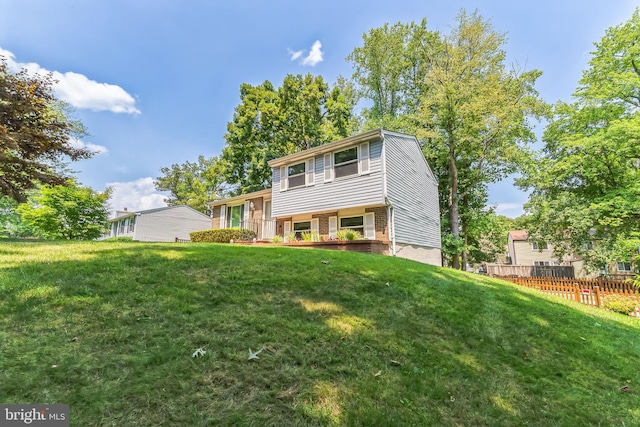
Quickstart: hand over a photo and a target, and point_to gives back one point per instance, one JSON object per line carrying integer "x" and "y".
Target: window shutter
{"x": 328, "y": 172}
{"x": 370, "y": 226}
{"x": 310, "y": 172}
{"x": 333, "y": 226}
{"x": 287, "y": 229}
{"x": 246, "y": 215}
{"x": 315, "y": 226}
{"x": 283, "y": 178}
{"x": 223, "y": 216}
{"x": 364, "y": 158}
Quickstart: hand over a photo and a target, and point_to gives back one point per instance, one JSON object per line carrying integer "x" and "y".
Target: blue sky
{"x": 156, "y": 81}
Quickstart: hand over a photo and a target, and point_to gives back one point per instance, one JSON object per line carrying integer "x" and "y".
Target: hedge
{"x": 222, "y": 235}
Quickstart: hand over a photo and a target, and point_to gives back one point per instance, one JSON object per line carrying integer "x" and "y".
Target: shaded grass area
{"x": 109, "y": 328}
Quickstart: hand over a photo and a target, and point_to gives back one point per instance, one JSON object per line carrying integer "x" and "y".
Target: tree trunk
{"x": 465, "y": 237}
{"x": 454, "y": 208}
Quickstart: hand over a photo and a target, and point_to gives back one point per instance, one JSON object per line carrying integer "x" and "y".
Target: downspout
{"x": 391, "y": 224}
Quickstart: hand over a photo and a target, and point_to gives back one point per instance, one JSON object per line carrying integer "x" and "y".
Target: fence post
{"x": 578, "y": 293}
{"x": 596, "y": 291}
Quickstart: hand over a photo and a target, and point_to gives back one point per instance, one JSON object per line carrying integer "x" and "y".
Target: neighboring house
{"x": 524, "y": 252}
{"x": 158, "y": 225}
{"x": 377, "y": 183}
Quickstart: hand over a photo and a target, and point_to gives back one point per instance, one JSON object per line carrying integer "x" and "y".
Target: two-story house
{"x": 377, "y": 183}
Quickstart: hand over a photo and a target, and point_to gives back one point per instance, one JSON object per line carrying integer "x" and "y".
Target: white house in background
{"x": 377, "y": 183}
{"x": 158, "y": 225}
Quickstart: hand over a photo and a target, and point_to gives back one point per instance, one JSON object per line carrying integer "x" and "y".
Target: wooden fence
{"x": 530, "y": 270}
{"x": 586, "y": 291}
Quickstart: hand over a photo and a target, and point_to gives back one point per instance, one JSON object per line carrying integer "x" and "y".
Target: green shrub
{"x": 222, "y": 235}
{"x": 276, "y": 239}
{"x": 310, "y": 236}
{"x": 118, "y": 239}
{"x": 290, "y": 237}
{"x": 619, "y": 303}
{"x": 348, "y": 234}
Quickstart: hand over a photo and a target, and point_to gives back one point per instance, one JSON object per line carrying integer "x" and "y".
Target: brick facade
{"x": 381, "y": 222}
{"x": 255, "y": 215}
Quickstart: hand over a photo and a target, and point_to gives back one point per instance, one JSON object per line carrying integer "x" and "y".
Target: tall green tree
{"x": 269, "y": 123}
{"x": 68, "y": 211}
{"x": 35, "y": 133}
{"x": 11, "y": 224}
{"x": 193, "y": 184}
{"x": 586, "y": 183}
{"x": 470, "y": 109}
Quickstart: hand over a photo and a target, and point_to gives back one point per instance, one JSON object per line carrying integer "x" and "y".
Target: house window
{"x": 296, "y": 174}
{"x": 132, "y": 223}
{"x": 235, "y": 214}
{"x": 540, "y": 246}
{"x": 301, "y": 227}
{"x": 541, "y": 263}
{"x": 345, "y": 162}
{"x": 587, "y": 246}
{"x": 624, "y": 266}
{"x": 355, "y": 223}
{"x": 121, "y": 226}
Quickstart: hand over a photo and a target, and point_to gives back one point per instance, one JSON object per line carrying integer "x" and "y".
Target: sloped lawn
{"x": 110, "y": 328}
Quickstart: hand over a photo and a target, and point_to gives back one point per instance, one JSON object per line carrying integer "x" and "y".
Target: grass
{"x": 110, "y": 328}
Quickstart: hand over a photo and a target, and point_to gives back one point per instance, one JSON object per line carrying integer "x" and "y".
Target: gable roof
{"x": 518, "y": 235}
{"x": 265, "y": 192}
{"x": 148, "y": 211}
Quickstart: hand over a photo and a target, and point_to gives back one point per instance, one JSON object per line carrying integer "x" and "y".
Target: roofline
{"x": 264, "y": 192}
{"x": 146, "y": 211}
{"x": 326, "y": 148}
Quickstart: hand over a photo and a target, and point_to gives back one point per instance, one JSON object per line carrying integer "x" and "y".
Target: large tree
{"x": 193, "y": 184}
{"x": 468, "y": 107}
{"x": 269, "y": 123}
{"x": 35, "y": 133}
{"x": 586, "y": 183}
{"x": 67, "y": 211}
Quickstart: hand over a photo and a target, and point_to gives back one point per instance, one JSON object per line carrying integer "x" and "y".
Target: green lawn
{"x": 110, "y": 328}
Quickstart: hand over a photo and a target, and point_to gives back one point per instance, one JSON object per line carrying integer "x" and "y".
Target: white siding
{"x": 340, "y": 193}
{"x": 164, "y": 225}
{"x": 413, "y": 192}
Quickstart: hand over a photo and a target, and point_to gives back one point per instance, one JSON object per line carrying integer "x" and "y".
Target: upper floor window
{"x": 345, "y": 162}
{"x": 296, "y": 175}
{"x": 624, "y": 266}
{"x": 540, "y": 246}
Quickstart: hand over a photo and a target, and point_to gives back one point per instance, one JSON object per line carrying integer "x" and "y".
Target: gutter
{"x": 391, "y": 223}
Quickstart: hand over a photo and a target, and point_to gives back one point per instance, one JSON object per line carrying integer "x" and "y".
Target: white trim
{"x": 369, "y": 222}
{"x": 287, "y": 229}
{"x": 328, "y": 167}
{"x": 310, "y": 172}
{"x": 246, "y": 214}
{"x": 364, "y": 161}
{"x": 223, "y": 216}
{"x": 333, "y": 226}
{"x": 283, "y": 178}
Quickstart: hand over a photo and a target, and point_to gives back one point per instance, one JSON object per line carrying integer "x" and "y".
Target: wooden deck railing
{"x": 586, "y": 291}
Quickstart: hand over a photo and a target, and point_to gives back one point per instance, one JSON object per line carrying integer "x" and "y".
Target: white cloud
{"x": 511, "y": 210}
{"x": 295, "y": 55}
{"x": 315, "y": 55}
{"x": 79, "y": 91}
{"x": 312, "y": 59}
{"x": 95, "y": 148}
{"x": 136, "y": 195}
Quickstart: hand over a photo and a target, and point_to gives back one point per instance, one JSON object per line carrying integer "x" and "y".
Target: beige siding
{"x": 526, "y": 255}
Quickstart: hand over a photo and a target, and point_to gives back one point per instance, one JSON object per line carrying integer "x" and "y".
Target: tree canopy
{"x": 35, "y": 133}
{"x": 193, "y": 184}
{"x": 586, "y": 183}
{"x": 469, "y": 109}
{"x": 67, "y": 211}
{"x": 270, "y": 123}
